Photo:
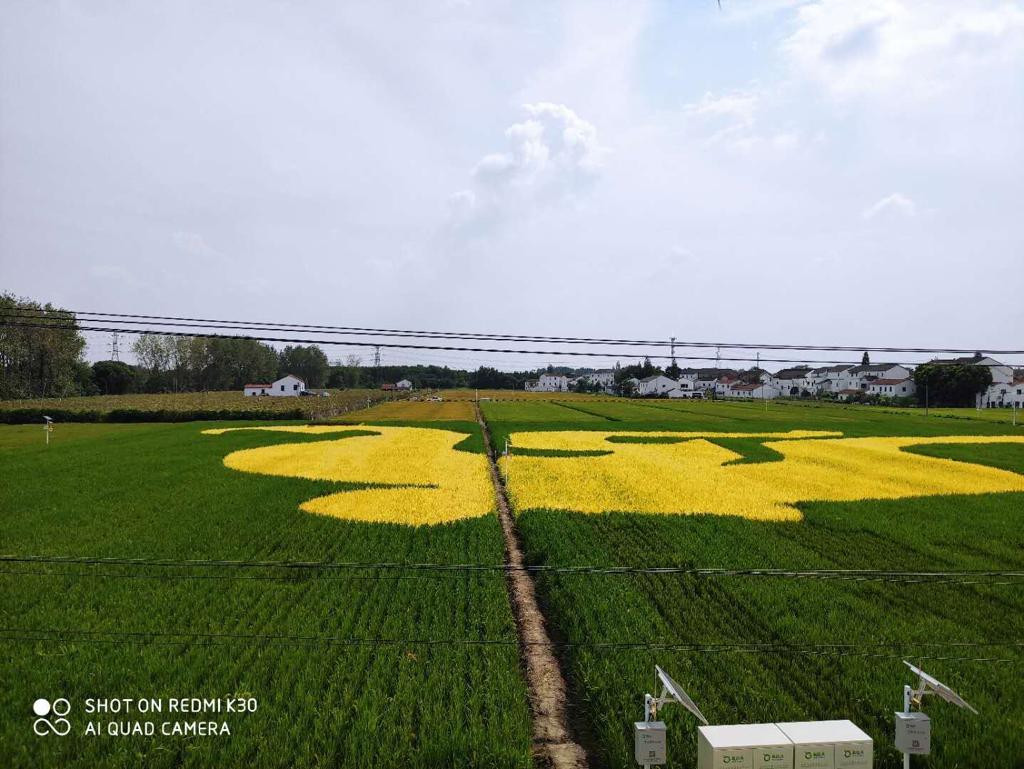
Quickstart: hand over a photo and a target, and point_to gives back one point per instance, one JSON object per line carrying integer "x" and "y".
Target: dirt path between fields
{"x": 553, "y": 744}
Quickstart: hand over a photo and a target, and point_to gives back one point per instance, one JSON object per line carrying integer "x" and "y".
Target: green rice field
{"x": 369, "y": 667}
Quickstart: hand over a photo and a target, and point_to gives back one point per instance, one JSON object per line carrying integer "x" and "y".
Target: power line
{"x": 841, "y": 574}
{"x": 190, "y": 637}
{"x": 332, "y": 330}
{"x": 426, "y": 576}
{"x": 362, "y": 330}
{"x": 292, "y": 340}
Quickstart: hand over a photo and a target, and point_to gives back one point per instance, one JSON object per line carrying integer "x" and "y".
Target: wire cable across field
{"x": 892, "y": 650}
{"x": 141, "y": 319}
{"x": 405, "y": 346}
{"x": 968, "y": 576}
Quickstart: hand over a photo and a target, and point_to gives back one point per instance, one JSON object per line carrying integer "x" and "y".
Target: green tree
{"x": 236, "y": 362}
{"x": 346, "y": 374}
{"x": 153, "y": 354}
{"x": 188, "y": 358}
{"x": 950, "y": 384}
{"x": 40, "y": 361}
{"x": 113, "y": 377}
{"x": 84, "y": 383}
{"x": 751, "y": 375}
{"x": 625, "y": 387}
{"x": 307, "y": 362}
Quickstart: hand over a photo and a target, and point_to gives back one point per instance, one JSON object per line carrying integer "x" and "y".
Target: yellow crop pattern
{"x": 435, "y": 483}
{"x": 692, "y": 476}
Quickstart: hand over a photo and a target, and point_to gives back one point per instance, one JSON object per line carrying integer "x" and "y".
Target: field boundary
{"x": 553, "y": 744}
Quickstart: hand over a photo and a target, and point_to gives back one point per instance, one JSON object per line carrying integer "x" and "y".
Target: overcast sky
{"x": 829, "y": 172}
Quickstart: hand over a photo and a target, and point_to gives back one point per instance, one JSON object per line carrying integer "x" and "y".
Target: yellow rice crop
{"x": 439, "y": 483}
{"x": 692, "y": 477}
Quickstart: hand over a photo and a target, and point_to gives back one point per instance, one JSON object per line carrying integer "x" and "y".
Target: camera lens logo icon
{"x": 51, "y": 718}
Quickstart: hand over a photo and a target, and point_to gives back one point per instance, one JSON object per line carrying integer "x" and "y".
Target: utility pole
{"x": 673, "y": 348}
{"x": 760, "y": 381}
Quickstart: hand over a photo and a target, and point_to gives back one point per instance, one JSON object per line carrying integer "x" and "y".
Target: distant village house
{"x": 288, "y": 386}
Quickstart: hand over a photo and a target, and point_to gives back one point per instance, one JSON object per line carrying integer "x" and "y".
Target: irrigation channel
{"x": 553, "y": 744}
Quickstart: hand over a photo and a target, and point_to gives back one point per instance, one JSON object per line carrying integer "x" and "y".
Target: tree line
{"x": 46, "y": 360}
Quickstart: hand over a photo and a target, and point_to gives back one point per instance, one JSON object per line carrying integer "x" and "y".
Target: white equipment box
{"x": 828, "y": 745}
{"x": 649, "y": 743}
{"x": 913, "y": 733}
{"x": 741, "y": 746}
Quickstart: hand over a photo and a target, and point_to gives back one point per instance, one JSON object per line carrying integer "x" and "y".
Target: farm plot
{"x": 754, "y": 648}
{"x": 663, "y": 414}
{"x": 415, "y": 411}
{"x": 183, "y": 407}
{"x": 350, "y": 667}
{"x": 541, "y": 411}
{"x": 522, "y": 395}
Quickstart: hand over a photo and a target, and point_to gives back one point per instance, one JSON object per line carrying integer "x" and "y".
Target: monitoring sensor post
{"x": 914, "y": 729}
{"x": 649, "y": 736}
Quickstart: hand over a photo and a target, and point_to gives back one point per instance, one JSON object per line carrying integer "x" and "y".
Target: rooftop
{"x": 866, "y": 367}
{"x": 797, "y": 372}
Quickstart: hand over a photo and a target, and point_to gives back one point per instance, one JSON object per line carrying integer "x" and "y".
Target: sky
{"x": 771, "y": 171}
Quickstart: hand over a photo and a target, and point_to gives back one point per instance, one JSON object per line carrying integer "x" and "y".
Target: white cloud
{"x": 899, "y": 46}
{"x": 895, "y": 204}
{"x": 735, "y": 119}
{"x": 738, "y": 105}
{"x": 552, "y": 157}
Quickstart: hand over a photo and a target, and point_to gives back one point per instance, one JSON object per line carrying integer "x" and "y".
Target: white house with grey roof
{"x": 710, "y": 378}
{"x": 685, "y": 388}
{"x": 892, "y": 388}
{"x": 1003, "y": 394}
{"x": 866, "y": 373}
{"x": 792, "y": 381}
{"x": 549, "y": 383}
{"x": 288, "y": 386}
{"x": 657, "y": 384}
{"x": 605, "y": 379}
{"x": 828, "y": 378}
{"x": 754, "y": 390}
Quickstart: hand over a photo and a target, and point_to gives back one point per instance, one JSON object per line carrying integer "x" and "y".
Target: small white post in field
{"x": 47, "y": 428}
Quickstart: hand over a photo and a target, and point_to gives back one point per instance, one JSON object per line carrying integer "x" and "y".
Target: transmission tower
{"x": 114, "y": 352}
{"x": 376, "y": 363}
